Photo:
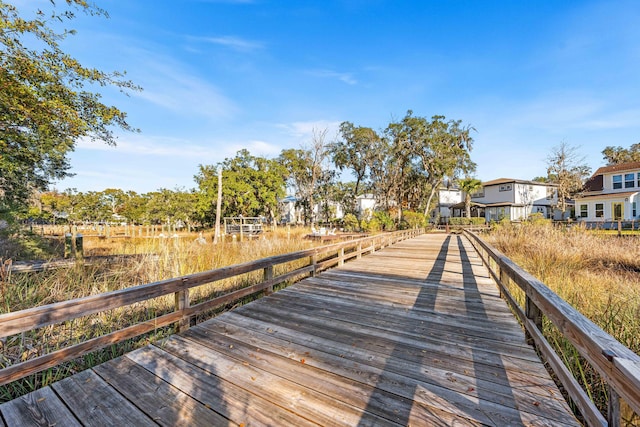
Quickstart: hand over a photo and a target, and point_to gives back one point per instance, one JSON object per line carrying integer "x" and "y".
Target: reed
{"x": 139, "y": 261}
{"x": 598, "y": 274}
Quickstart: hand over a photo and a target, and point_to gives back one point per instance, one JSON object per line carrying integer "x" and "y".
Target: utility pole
{"x": 216, "y": 236}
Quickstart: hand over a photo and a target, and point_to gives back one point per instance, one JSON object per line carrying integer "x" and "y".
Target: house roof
{"x": 461, "y": 205}
{"x": 621, "y": 167}
{"x": 607, "y": 195}
{"x": 366, "y": 196}
{"x": 518, "y": 181}
{"x": 595, "y": 183}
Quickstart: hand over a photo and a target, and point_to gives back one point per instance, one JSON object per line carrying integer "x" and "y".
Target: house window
{"x": 599, "y": 210}
{"x": 628, "y": 180}
{"x": 584, "y": 211}
{"x": 617, "y": 181}
{"x": 638, "y": 179}
{"x": 633, "y": 205}
{"x": 479, "y": 193}
{"x": 505, "y": 187}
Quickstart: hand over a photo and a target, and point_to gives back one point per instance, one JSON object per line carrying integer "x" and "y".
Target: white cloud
{"x": 347, "y": 78}
{"x": 153, "y": 146}
{"x": 304, "y": 131}
{"x": 171, "y": 87}
{"x": 233, "y": 42}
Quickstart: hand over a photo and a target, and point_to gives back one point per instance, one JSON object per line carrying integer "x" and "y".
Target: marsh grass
{"x": 141, "y": 260}
{"x": 598, "y": 274}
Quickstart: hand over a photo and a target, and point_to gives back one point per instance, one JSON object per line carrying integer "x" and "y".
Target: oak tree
{"x": 47, "y": 99}
{"x": 617, "y": 155}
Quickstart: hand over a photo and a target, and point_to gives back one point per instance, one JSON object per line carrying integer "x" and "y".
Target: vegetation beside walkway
{"x": 598, "y": 274}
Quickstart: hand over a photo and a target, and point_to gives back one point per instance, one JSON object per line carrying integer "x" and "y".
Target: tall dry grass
{"x": 139, "y": 261}
{"x": 599, "y": 275}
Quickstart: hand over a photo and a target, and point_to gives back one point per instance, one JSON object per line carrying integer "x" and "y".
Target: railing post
{"x": 613, "y": 408}
{"x": 181, "y": 303}
{"x": 534, "y": 314}
{"x": 341, "y": 256}
{"x": 359, "y": 250}
{"x": 79, "y": 246}
{"x": 68, "y": 245}
{"x": 268, "y": 275}
{"x": 313, "y": 260}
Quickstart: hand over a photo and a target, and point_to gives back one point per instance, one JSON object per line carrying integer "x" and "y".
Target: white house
{"x": 365, "y": 205}
{"x": 516, "y": 199}
{"x": 447, "y": 197}
{"x": 290, "y": 214}
{"x": 513, "y": 199}
{"x": 611, "y": 194}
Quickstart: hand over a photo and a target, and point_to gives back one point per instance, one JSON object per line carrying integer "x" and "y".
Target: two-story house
{"x": 515, "y": 199}
{"x": 611, "y": 194}
{"x": 447, "y": 197}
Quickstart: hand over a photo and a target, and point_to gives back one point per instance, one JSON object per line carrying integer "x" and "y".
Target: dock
{"x": 415, "y": 334}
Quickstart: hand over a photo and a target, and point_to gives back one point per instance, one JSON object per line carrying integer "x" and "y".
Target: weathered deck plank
{"x": 40, "y": 408}
{"x": 415, "y": 334}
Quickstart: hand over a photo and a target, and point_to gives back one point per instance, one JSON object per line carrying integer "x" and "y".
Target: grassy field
{"x": 143, "y": 260}
{"x": 597, "y": 273}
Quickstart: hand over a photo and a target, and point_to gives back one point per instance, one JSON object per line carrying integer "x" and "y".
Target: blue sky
{"x": 219, "y": 76}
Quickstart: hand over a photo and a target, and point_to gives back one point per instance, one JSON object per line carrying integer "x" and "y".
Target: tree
{"x": 305, "y": 170}
{"x": 443, "y": 151}
{"x": 392, "y": 165}
{"x": 617, "y": 155}
{"x": 469, "y": 186}
{"x": 251, "y": 186}
{"x": 45, "y": 104}
{"x": 566, "y": 168}
{"x": 134, "y": 208}
{"x": 174, "y": 208}
{"x": 425, "y": 153}
{"x": 354, "y": 151}
{"x": 49, "y": 206}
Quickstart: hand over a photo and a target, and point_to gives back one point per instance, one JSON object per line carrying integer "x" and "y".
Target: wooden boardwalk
{"x": 415, "y": 334}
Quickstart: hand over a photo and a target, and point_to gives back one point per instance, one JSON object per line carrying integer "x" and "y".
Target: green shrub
{"x": 538, "y": 218}
{"x": 414, "y": 219}
{"x": 384, "y": 220}
{"x": 350, "y": 222}
{"x": 371, "y": 226}
{"x": 466, "y": 221}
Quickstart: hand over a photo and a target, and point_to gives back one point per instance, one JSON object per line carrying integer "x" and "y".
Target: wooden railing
{"x": 617, "y": 365}
{"x": 317, "y": 259}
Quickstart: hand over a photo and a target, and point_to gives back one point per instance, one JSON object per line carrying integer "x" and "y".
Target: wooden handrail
{"x": 319, "y": 258}
{"x": 616, "y": 364}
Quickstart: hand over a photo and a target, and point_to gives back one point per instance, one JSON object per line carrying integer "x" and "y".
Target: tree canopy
{"x": 421, "y": 154}
{"x": 617, "y": 155}
{"x": 354, "y": 151}
{"x": 469, "y": 186}
{"x": 404, "y": 165}
{"x": 251, "y": 186}
{"x": 46, "y": 105}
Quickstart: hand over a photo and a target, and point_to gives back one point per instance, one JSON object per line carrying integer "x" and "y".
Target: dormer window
{"x": 617, "y": 182}
{"x": 628, "y": 180}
